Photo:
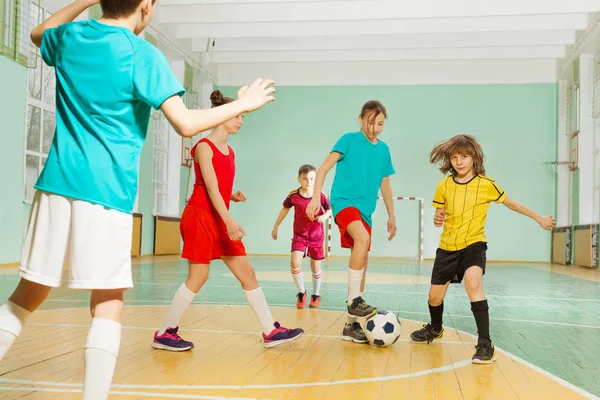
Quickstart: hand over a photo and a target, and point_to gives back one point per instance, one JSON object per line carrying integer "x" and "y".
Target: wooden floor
{"x": 229, "y": 361}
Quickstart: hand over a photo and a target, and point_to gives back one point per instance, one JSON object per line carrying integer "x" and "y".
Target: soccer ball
{"x": 383, "y": 329}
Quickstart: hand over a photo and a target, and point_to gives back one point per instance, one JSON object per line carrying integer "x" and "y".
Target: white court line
{"x": 230, "y": 332}
{"x": 139, "y": 394}
{"x": 228, "y": 303}
{"x": 459, "y": 364}
{"x": 452, "y": 366}
{"x": 390, "y": 291}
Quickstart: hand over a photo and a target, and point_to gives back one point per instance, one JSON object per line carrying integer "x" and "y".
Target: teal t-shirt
{"x": 359, "y": 172}
{"x": 107, "y": 80}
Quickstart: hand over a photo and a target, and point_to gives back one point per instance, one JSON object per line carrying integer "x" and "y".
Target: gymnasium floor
{"x": 545, "y": 320}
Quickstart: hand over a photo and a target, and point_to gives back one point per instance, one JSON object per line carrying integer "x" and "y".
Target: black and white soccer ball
{"x": 383, "y": 329}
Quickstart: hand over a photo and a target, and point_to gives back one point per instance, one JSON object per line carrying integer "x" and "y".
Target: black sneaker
{"x": 426, "y": 334}
{"x": 354, "y": 333}
{"x": 485, "y": 353}
{"x": 360, "y": 309}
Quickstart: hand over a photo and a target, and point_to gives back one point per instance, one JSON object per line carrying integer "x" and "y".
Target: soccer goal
{"x": 409, "y": 240}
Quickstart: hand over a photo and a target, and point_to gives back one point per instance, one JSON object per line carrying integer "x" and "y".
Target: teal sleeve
{"x": 153, "y": 80}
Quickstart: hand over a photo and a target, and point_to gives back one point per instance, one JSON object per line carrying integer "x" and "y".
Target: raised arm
{"x": 64, "y": 15}
{"x": 188, "y": 123}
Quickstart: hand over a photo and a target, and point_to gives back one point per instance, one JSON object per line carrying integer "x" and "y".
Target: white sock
{"x": 354, "y": 279}
{"x": 256, "y": 299}
{"x": 12, "y": 319}
{"x": 351, "y": 320}
{"x": 101, "y": 351}
{"x": 180, "y": 303}
{"x": 299, "y": 279}
{"x": 317, "y": 282}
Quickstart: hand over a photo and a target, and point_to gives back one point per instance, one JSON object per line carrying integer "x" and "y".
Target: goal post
{"x": 410, "y": 231}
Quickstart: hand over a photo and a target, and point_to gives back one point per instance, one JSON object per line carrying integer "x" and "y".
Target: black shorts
{"x": 451, "y": 265}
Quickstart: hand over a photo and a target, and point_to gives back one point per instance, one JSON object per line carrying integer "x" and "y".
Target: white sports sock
{"x": 256, "y": 299}
{"x": 316, "y": 279}
{"x": 354, "y": 279}
{"x": 351, "y": 320}
{"x": 299, "y": 279}
{"x": 12, "y": 319}
{"x": 101, "y": 351}
{"x": 180, "y": 303}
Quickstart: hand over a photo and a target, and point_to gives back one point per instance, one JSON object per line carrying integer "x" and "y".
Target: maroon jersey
{"x": 308, "y": 231}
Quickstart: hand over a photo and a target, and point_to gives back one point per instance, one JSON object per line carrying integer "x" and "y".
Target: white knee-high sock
{"x": 180, "y": 303}
{"x": 316, "y": 280}
{"x": 12, "y": 319}
{"x": 256, "y": 299}
{"x": 354, "y": 279}
{"x": 101, "y": 352}
{"x": 298, "y": 279}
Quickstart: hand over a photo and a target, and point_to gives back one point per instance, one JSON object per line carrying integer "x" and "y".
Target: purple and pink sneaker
{"x": 171, "y": 341}
{"x": 281, "y": 335}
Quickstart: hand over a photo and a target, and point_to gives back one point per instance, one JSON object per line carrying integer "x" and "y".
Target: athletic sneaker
{"x": 301, "y": 302}
{"x": 315, "y": 301}
{"x": 485, "y": 352}
{"x": 426, "y": 334}
{"x": 360, "y": 309}
{"x": 171, "y": 341}
{"x": 281, "y": 335}
{"x": 353, "y": 332}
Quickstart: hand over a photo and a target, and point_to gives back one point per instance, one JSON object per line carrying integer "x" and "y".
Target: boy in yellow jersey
{"x": 461, "y": 201}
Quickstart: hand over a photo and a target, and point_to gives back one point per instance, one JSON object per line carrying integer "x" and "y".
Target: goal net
{"x": 408, "y": 242}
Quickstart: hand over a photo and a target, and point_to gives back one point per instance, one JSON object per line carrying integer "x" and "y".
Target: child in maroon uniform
{"x": 209, "y": 233}
{"x": 308, "y": 235}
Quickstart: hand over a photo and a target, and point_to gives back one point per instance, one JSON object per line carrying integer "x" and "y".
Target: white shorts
{"x": 92, "y": 241}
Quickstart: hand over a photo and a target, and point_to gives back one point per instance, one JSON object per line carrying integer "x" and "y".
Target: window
{"x": 17, "y": 19}
{"x": 160, "y": 164}
{"x": 40, "y": 117}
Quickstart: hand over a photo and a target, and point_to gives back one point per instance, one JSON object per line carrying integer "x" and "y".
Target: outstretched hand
{"x": 257, "y": 94}
{"x": 547, "y": 222}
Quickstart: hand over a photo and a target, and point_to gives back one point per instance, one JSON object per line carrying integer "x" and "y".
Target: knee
{"x": 296, "y": 265}
{"x": 435, "y": 299}
{"x": 362, "y": 240}
{"x": 194, "y": 283}
{"x": 473, "y": 286}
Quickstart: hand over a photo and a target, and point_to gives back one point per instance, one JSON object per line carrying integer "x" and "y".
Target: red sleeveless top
{"x": 224, "y": 166}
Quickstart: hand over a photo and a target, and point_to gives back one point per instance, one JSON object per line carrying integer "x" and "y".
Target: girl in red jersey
{"x": 209, "y": 233}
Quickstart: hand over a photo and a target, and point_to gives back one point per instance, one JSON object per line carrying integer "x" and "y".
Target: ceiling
{"x": 321, "y": 31}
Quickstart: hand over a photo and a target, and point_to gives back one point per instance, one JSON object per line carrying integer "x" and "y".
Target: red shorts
{"x": 316, "y": 253}
{"x": 205, "y": 236}
{"x": 343, "y": 219}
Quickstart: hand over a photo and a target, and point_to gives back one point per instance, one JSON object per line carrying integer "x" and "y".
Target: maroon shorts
{"x": 345, "y": 218}
{"x": 316, "y": 253}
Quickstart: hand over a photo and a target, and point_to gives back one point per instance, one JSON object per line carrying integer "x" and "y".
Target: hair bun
{"x": 216, "y": 98}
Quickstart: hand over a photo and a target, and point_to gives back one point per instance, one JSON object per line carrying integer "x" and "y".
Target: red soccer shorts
{"x": 345, "y": 218}
{"x": 205, "y": 236}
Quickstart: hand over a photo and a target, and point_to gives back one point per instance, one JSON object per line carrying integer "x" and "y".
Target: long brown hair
{"x": 370, "y": 110}
{"x": 461, "y": 144}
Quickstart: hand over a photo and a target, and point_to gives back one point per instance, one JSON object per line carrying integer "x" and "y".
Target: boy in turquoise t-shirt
{"x": 363, "y": 167}
{"x": 107, "y": 81}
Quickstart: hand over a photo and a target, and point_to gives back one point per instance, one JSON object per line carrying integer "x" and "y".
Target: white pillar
{"x": 563, "y": 187}
{"x": 586, "y": 140}
{"x": 175, "y": 146}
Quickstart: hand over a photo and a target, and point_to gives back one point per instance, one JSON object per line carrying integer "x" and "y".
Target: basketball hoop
{"x": 556, "y": 165}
